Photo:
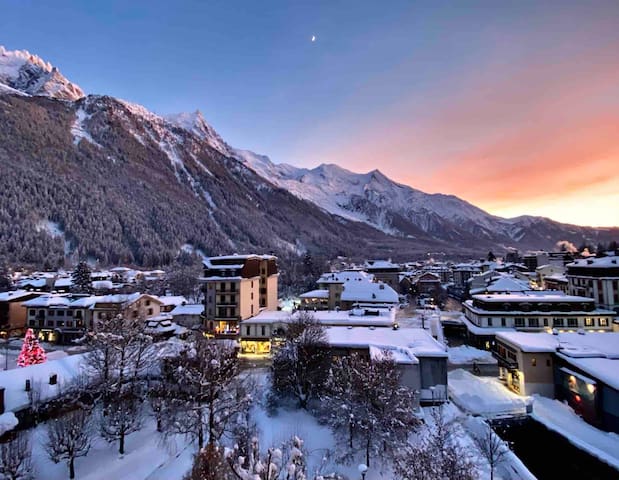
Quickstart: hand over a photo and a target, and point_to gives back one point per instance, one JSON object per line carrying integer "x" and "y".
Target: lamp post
{"x": 363, "y": 469}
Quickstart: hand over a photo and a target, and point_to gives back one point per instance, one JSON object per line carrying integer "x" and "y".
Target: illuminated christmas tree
{"x": 31, "y": 352}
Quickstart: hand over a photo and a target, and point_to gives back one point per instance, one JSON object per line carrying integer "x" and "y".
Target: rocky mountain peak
{"x": 30, "y": 74}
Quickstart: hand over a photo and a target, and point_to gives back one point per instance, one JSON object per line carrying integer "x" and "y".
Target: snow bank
{"x": 484, "y": 396}
{"x": 14, "y": 381}
{"x": 465, "y": 354}
{"x": 560, "y": 418}
{"x": 8, "y": 421}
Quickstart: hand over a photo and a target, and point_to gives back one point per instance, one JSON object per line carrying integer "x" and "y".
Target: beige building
{"x": 237, "y": 287}
{"x": 527, "y": 369}
{"x": 12, "y": 313}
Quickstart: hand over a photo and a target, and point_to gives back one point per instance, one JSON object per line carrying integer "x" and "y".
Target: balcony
{"x": 504, "y": 361}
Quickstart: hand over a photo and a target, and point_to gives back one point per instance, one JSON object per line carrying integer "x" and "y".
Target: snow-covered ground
{"x": 465, "y": 354}
{"x": 484, "y": 396}
{"x": 560, "y": 418}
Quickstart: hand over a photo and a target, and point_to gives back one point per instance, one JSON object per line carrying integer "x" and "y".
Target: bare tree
{"x": 203, "y": 391}
{"x": 16, "y": 458}
{"x": 121, "y": 413}
{"x": 119, "y": 361}
{"x": 492, "y": 447}
{"x": 69, "y": 437}
{"x": 301, "y": 366}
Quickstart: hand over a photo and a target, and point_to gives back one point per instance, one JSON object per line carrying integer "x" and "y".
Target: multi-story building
{"x": 385, "y": 271}
{"x": 61, "y": 318}
{"x": 597, "y": 278}
{"x": 347, "y": 289}
{"x": 580, "y": 369}
{"x": 237, "y": 287}
{"x": 486, "y": 315}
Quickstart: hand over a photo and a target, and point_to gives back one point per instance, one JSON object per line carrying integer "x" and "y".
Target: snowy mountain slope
{"x": 127, "y": 185}
{"x": 371, "y": 197}
{"x": 398, "y": 209}
{"x": 30, "y": 74}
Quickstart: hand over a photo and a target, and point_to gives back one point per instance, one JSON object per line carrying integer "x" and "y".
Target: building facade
{"x": 597, "y": 278}
{"x": 485, "y": 315}
{"x": 237, "y": 287}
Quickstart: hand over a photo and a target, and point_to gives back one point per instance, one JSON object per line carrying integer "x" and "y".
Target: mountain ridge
{"x": 123, "y": 184}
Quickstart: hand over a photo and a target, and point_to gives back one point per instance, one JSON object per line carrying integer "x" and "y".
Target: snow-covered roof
{"x": 189, "y": 309}
{"x": 345, "y": 276}
{"x": 377, "y": 317}
{"x": 369, "y": 292}
{"x": 533, "y": 296}
{"x": 85, "y": 302}
{"x": 603, "y": 262}
{"x": 15, "y": 396}
{"x": 50, "y": 300}
{"x": 14, "y": 295}
{"x": 381, "y": 264}
{"x": 595, "y": 353}
{"x": 167, "y": 300}
{"x": 408, "y": 343}
{"x": 241, "y": 258}
{"x": 571, "y": 344}
{"x": 315, "y": 294}
{"x": 63, "y": 282}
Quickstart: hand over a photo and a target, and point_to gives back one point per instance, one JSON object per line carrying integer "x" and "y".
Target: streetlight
{"x": 363, "y": 469}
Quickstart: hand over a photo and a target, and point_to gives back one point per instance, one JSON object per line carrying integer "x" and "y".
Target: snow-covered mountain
{"x": 124, "y": 184}
{"x": 29, "y": 74}
{"x": 400, "y": 210}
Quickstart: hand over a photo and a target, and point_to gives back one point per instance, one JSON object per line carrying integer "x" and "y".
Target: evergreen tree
{"x": 31, "y": 352}
{"x": 81, "y": 278}
{"x": 491, "y": 257}
{"x": 5, "y": 279}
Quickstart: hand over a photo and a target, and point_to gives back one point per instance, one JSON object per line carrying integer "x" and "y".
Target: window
{"x": 519, "y": 322}
{"x": 263, "y": 330}
{"x": 50, "y": 323}
{"x": 545, "y": 322}
{"x": 603, "y": 322}
{"x": 147, "y": 303}
{"x": 70, "y": 323}
{"x": 41, "y": 313}
{"x": 51, "y": 313}
{"x": 557, "y": 322}
{"x": 32, "y": 312}
{"x": 503, "y": 322}
{"x": 247, "y": 331}
{"x": 489, "y": 322}
{"x": 534, "y": 362}
{"x": 60, "y": 313}
{"x": 589, "y": 322}
{"x": 31, "y": 323}
{"x": 548, "y": 363}
{"x": 572, "y": 322}
{"x": 69, "y": 313}
{"x": 533, "y": 322}
{"x": 150, "y": 311}
{"x": 60, "y": 323}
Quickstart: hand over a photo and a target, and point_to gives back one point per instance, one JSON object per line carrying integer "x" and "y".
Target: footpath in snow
{"x": 560, "y": 418}
{"x": 484, "y": 396}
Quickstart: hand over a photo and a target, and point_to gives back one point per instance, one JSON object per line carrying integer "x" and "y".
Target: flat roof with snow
{"x": 407, "y": 344}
